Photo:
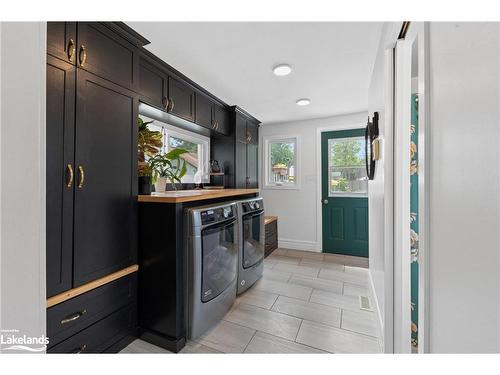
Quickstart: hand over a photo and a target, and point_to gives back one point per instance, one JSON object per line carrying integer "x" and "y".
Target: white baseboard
{"x": 298, "y": 245}
{"x": 380, "y": 323}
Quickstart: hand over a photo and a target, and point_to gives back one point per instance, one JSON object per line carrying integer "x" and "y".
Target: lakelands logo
{"x": 13, "y": 340}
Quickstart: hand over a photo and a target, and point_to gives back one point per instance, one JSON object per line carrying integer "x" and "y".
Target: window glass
{"x": 282, "y": 162}
{"x": 197, "y": 146}
{"x": 346, "y": 166}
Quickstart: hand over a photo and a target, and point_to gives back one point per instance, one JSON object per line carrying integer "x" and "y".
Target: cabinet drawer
{"x": 101, "y": 335}
{"x": 272, "y": 227}
{"x": 70, "y": 317}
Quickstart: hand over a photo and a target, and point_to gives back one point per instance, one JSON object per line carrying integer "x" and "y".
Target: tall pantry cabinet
{"x": 91, "y": 180}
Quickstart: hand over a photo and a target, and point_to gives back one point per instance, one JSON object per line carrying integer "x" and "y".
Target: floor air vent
{"x": 364, "y": 303}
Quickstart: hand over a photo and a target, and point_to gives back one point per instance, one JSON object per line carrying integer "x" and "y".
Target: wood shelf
{"x": 89, "y": 286}
{"x": 193, "y": 195}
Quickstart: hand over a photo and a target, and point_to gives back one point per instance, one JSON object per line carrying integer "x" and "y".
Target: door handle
{"x": 170, "y": 105}
{"x": 325, "y": 201}
{"x": 69, "y": 182}
{"x": 73, "y": 317}
{"x": 165, "y": 102}
{"x": 83, "y": 55}
{"x": 82, "y": 176}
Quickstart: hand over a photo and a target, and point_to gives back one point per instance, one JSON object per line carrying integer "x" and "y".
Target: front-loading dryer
{"x": 252, "y": 242}
{"x": 212, "y": 253}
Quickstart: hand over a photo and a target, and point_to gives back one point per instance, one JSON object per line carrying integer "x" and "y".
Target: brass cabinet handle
{"x": 81, "y": 349}
{"x": 83, "y": 55}
{"x": 216, "y": 125}
{"x": 165, "y": 102}
{"x": 73, "y": 317}
{"x": 170, "y": 105}
{"x": 82, "y": 176}
{"x": 71, "y": 49}
{"x": 69, "y": 182}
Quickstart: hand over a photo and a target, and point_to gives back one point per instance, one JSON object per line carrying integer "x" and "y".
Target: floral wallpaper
{"x": 414, "y": 220}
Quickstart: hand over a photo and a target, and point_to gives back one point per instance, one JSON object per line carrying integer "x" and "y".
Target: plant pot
{"x": 161, "y": 184}
{"x": 144, "y": 185}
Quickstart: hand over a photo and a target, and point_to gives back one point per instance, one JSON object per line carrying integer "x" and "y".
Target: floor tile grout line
{"x": 248, "y": 343}
{"x": 297, "y": 335}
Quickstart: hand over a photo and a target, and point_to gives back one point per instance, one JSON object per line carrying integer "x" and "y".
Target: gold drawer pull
{"x": 71, "y": 49}
{"x": 81, "y": 349}
{"x": 170, "y": 105}
{"x": 82, "y": 176}
{"x": 69, "y": 182}
{"x": 73, "y": 317}
{"x": 83, "y": 55}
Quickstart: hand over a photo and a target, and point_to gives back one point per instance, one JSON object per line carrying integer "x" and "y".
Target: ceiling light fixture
{"x": 304, "y": 101}
{"x": 282, "y": 70}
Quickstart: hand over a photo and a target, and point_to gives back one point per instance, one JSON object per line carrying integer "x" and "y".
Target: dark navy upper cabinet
{"x": 180, "y": 99}
{"x": 106, "y": 54}
{"x": 221, "y": 117}
{"x": 152, "y": 84}
{"x": 61, "y": 41}
{"x": 204, "y": 111}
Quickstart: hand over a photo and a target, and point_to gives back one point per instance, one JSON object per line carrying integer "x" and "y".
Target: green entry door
{"x": 344, "y": 192}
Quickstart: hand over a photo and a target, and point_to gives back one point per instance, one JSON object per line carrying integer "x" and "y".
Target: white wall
{"x": 298, "y": 226}
{"x": 22, "y": 177}
{"x": 464, "y": 187}
{"x": 380, "y": 192}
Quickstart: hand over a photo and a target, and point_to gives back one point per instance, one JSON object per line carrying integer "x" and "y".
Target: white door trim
{"x": 418, "y": 31}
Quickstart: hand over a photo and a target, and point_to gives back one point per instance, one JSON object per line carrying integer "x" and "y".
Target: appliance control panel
{"x": 217, "y": 214}
{"x": 252, "y": 205}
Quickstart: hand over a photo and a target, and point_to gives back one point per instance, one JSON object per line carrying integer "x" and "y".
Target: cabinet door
{"x": 181, "y": 99}
{"x": 252, "y": 166}
{"x": 240, "y": 165}
{"x": 106, "y": 179}
{"x": 61, "y": 40}
{"x": 152, "y": 85}
{"x": 59, "y": 165}
{"x": 204, "y": 111}
{"x": 252, "y": 133}
{"x": 241, "y": 128}
{"x": 221, "y": 116}
{"x": 106, "y": 54}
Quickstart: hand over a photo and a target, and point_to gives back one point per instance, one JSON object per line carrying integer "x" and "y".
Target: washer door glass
{"x": 220, "y": 259}
{"x": 253, "y": 247}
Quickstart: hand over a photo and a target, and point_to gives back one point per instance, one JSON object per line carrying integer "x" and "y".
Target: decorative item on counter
{"x": 167, "y": 168}
{"x": 214, "y": 166}
{"x": 197, "y": 180}
{"x": 149, "y": 143}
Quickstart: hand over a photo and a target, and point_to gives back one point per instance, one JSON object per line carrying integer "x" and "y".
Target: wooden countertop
{"x": 193, "y": 195}
{"x": 270, "y": 219}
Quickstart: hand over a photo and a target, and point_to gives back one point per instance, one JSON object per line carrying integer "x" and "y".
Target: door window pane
{"x": 346, "y": 166}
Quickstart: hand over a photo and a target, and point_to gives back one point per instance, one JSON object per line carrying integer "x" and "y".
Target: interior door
{"x": 106, "y": 178}
{"x": 344, "y": 193}
{"x": 60, "y": 174}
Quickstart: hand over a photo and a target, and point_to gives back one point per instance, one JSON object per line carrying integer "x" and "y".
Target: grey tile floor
{"x": 305, "y": 303}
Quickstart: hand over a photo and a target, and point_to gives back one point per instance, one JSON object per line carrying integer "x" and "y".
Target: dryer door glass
{"x": 220, "y": 259}
{"x": 253, "y": 244}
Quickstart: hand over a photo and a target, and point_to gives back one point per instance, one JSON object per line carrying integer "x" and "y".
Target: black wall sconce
{"x": 371, "y": 145}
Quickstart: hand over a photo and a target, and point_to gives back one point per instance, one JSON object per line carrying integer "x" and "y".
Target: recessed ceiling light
{"x": 303, "y": 102}
{"x": 282, "y": 70}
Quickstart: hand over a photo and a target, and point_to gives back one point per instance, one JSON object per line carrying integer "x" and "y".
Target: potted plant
{"x": 149, "y": 143}
{"x": 167, "y": 168}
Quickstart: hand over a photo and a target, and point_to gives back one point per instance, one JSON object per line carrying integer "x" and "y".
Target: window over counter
{"x": 281, "y": 169}
{"x": 346, "y": 167}
{"x": 198, "y": 147}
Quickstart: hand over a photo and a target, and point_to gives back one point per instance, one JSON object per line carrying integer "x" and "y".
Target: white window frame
{"x": 267, "y": 140}
{"x": 347, "y": 194}
{"x": 200, "y": 140}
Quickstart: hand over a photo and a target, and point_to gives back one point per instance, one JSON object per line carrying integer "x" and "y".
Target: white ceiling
{"x": 332, "y": 63}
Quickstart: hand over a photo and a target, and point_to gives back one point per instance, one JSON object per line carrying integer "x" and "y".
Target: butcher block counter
{"x": 180, "y": 196}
